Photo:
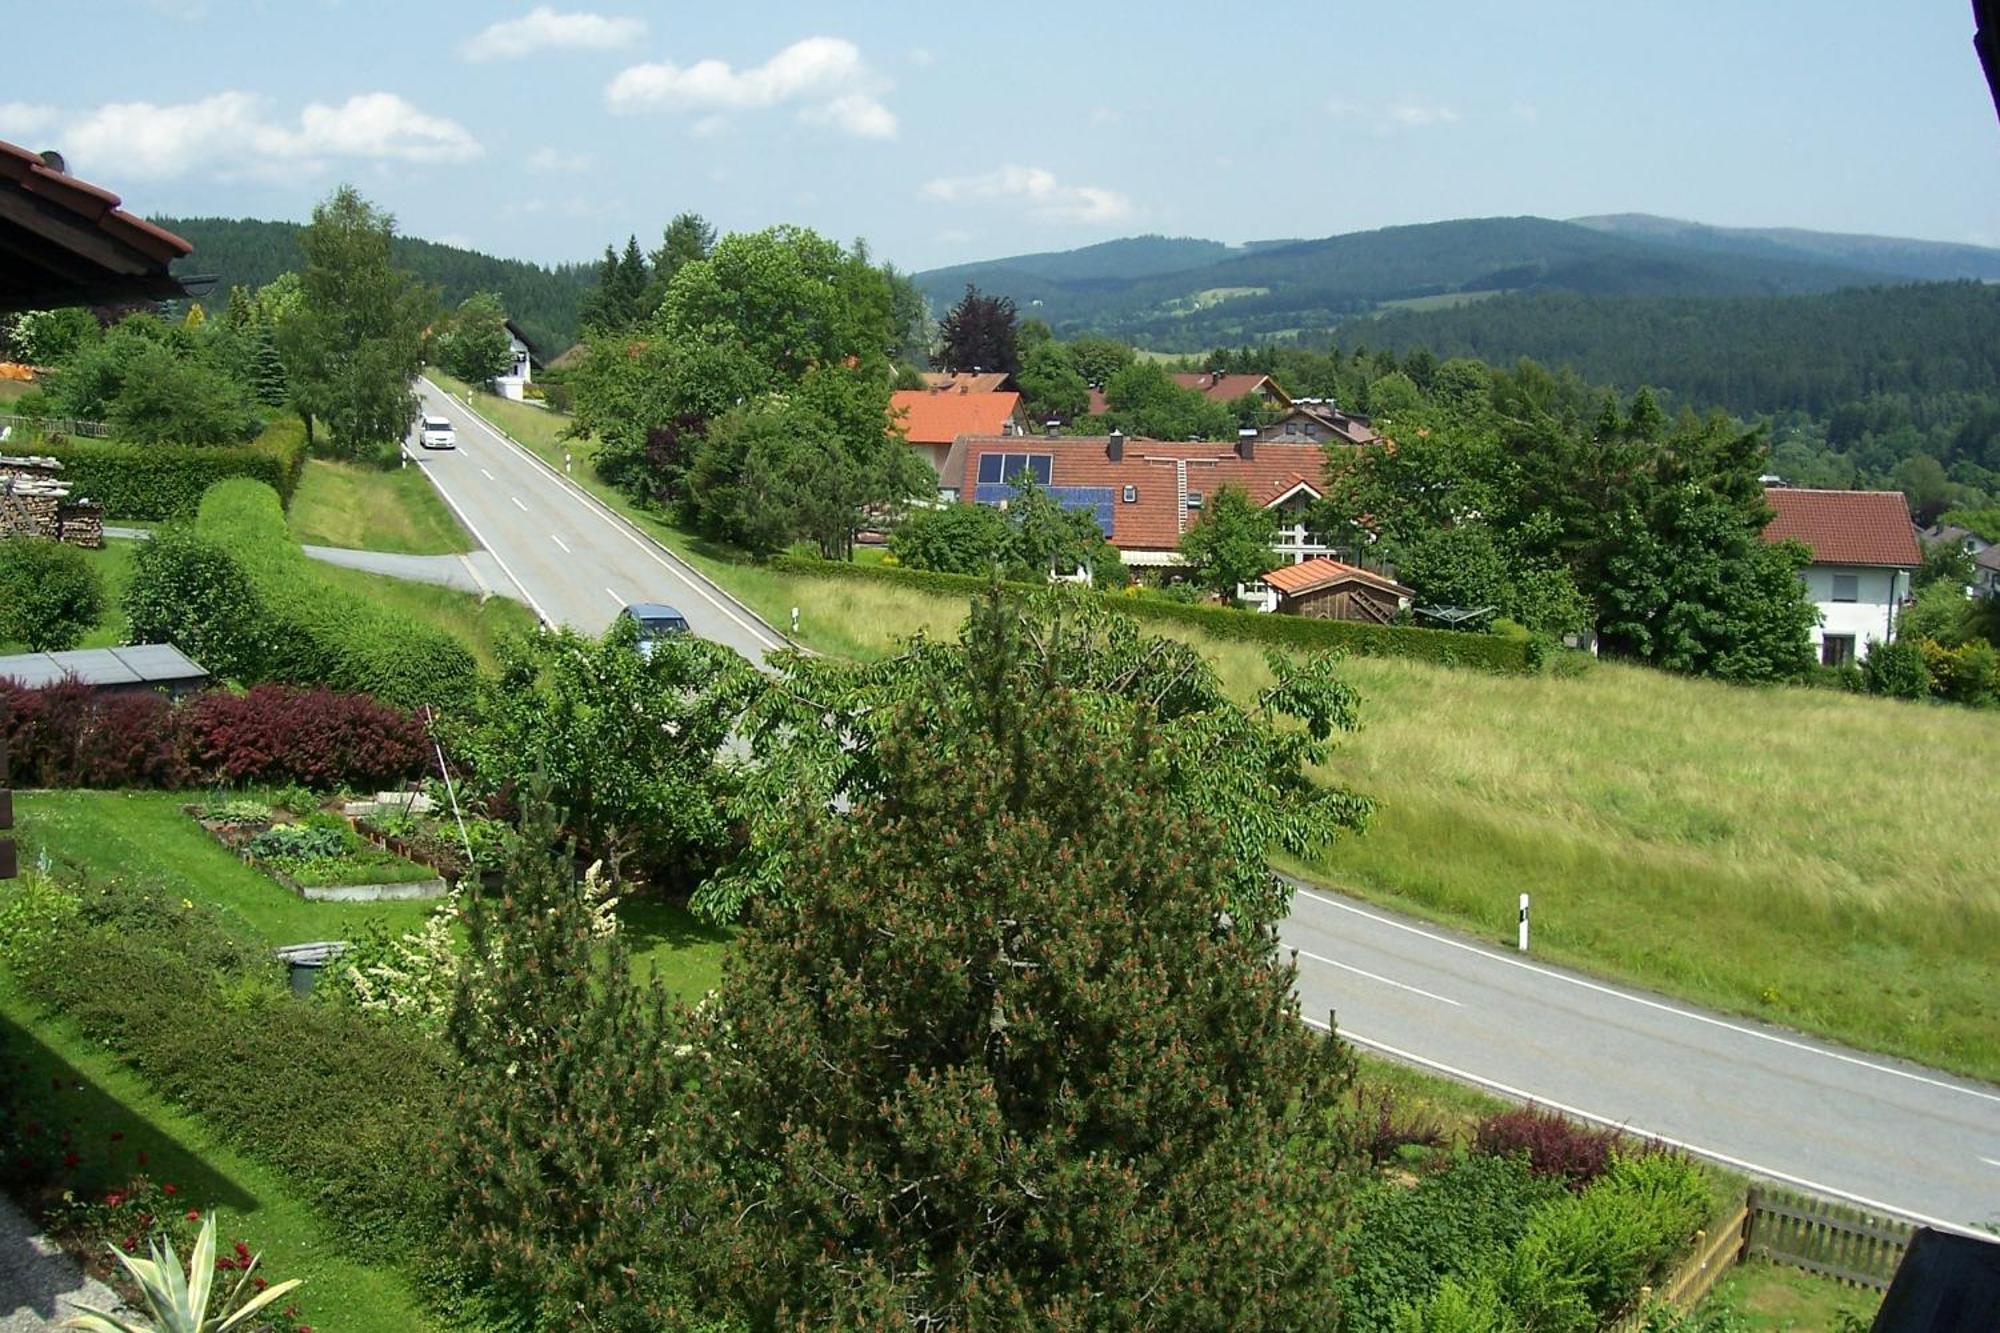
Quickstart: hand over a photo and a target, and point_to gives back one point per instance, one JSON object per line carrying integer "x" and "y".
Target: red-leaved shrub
{"x": 67, "y": 735}
{"x": 1555, "y": 1146}
{"x": 280, "y": 733}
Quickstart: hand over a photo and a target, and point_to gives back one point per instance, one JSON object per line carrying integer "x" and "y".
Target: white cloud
{"x": 543, "y": 29}
{"x": 1048, "y": 198}
{"x": 825, "y": 77}
{"x": 231, "y": 134}
{"x": 554, "y": 159}
{"x": 20, "y": 119}
{"x": 1390, "y": 118}
{"x": 921, "y": 57}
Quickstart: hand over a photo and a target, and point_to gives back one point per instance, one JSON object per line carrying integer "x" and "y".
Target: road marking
{"x": 517, "y": 503}
{"x": 559, "y": 542}
{"x": 1809, "y": 1049}
{"x": 1991, "y": 1161}
{"x": 488, "y": 475}
{"x": 1625, "y": 1126}
{"x": 618, "y": 601}
{"x": 452, "y": 504}
{"x": 695, "y": 580}
{"x": 1414, "y": 990}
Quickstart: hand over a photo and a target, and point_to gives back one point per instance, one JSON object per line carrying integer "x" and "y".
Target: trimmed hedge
{"x": 1446, "y": 647}
{"x": 317, "y": 634}
{"x": 155, "y": 483}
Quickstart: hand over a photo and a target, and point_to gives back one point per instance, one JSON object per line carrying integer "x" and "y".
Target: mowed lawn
{"x": 1823, "y": 861}
{"x": 366, "y": 508}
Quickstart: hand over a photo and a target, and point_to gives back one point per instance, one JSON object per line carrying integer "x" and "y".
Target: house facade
{"x": 1864, "y": 555}
{"x": 933, "y": 419}
{"x": 514, "y": 384}
{"x": 1313, "y": 420}
{"x": 1219, "y": 387}
{"x": 1145, "y": 494}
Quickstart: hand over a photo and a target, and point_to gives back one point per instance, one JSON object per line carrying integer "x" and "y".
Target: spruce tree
{"x": 553, "y": 1160}
{"x": 1008, "y": 1063}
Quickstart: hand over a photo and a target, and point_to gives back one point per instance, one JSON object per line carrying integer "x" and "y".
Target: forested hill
{"x": 1178, "y": 294}
{"x": 543, "y": 301}
{"x": 1751, "y": 355}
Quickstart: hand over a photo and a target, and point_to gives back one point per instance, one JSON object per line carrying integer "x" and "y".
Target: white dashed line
{"x": 559, "y": 542}
{"x": 488, "y": 475}
{"x": 1414, "y": 990}
{"x": 517, "y": 503}
{"x": 616, "y": 600}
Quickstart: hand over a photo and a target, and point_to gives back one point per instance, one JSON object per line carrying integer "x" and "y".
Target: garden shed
{"x": 1324, "y": 589}
{"x": 145, "y": 666}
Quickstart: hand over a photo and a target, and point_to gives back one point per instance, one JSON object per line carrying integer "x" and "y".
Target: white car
{"x": 437, "y": 434}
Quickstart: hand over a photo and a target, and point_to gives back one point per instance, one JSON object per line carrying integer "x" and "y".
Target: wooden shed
{"x": 1324, "y": 589}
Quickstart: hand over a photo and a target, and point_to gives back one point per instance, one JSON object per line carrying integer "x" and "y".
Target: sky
{"x": 944, "y": 134}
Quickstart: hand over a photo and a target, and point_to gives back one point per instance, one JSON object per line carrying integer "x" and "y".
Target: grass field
{"x": 12, "y": 389}
{"x": 373, "y": 509}
{"x": 480, "y": 624}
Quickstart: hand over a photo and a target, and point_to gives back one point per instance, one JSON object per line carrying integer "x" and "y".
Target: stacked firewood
{"x": 82, "y": 524}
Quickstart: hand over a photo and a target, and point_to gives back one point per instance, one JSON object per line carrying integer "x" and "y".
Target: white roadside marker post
{"x": 795, "y": 622}
{"x": 1523, "y": 945}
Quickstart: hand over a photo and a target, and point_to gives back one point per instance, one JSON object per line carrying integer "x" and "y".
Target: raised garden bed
{"x": 319, "y": 856}
{"x": 432, "y": 838}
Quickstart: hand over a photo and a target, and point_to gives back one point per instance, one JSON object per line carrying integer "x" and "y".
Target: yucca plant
{"x": 179, "y": 1304}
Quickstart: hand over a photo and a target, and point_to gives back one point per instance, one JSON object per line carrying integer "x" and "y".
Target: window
{"x": 1847, "y": 588}
{"x": 1836, "y": 650}
{"x": 1131, "y": 495}
{"x": 1291, "y": 428}
{"x": 997, "y": 468}
{"x": 1194, "y": 500}
{"x": 1312, "y": 431}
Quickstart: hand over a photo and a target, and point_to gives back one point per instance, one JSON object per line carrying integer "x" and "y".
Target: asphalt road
{"x": 573, "y": 561}
{"x": 1889, "y": 1136}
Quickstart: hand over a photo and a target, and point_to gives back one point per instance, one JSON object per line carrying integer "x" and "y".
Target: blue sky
{"x": 949, "y": 133}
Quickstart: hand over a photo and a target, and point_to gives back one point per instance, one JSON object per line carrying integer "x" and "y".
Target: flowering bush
{"x": 409, "y": 977}
{"x": 178, "y": 1304}
{"x": 280, "y": 734}
{"x": 67, "y": 735}
{"x": 1556, "y": 1147}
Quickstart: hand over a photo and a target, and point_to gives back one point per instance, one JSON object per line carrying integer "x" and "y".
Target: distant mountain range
{"x": 250, "y": 252}
{"x": 1180, "y": 294}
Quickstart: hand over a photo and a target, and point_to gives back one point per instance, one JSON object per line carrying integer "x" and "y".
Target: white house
{"x": 1864, "y": 553}
{"x": 514, "y": 383}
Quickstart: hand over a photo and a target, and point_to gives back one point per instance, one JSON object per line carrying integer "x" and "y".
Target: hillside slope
{"x": 1308, "y": 285}
{"x": 1923, "y": 261}
{"x": 252, "y": 252}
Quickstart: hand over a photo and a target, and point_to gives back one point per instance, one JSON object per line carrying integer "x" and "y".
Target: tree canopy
{"x": 978, "y": 334}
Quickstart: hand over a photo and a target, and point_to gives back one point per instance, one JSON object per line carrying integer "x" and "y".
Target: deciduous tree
{"x": 978, "y": 334}
{"x": 475, "y": 346}
{"x": 1231, "y": 545}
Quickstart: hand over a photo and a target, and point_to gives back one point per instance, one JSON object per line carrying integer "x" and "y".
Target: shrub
{"x": 1583, "y": 1259}
{"x": 190, "y": 592}
{"x": 322, "y": 635}
{"x": 953, "y": 539}
{"x": 50, "y": 596}
{"x": 1446, "y": 647}
{"x": 1554, "y": 1146}
{"x": 1967, "y": 674}
{"x": 278, "y": 734}
{"x": 343, "y": 1105}
{"x": 161, "y": 482}
{"x": 68, "y": 735}
{"x": 1460, "y": 1221}
{"x": 1382, "y": 1131}
{"x": 1896, "y": 669}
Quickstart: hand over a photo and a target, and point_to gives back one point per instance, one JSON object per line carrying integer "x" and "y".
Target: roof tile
{"x": 1845, "y": 527}
{"x": 939, "y": 416}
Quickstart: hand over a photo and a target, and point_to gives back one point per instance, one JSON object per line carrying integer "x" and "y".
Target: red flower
{"x": 169, "y": 1189}
{"x": 224, "y": 1264}
{"x": 242, "y": 1250}
{"x": 142, "y": 1159}
{"x": 131, "y": 1244}
{"x": 114, "y": 1200}
{"x": 194, "y": 1214}
{"x": 261, "y": 1282}
{"x": 71, "y": 1159}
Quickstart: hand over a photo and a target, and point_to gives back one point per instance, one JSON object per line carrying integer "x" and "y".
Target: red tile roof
{"x": 972, "y": 381}
{"x": 939, "y": 416}
{"x": 71, "y": 244}
{"x": 1320, "y": 572}
{"x": 1228, "y": 388}
{"x": 1099, "y": 404}
{"x": 1153, "y": 520}
{"x": 1845, "y": 527}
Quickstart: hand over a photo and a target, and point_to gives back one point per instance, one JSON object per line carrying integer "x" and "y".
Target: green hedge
{"x": 160, "y": 482}
{"x": 1447, "y": 647}
{"x": 347, "y": 1107}
{"x": 314, "y": 633}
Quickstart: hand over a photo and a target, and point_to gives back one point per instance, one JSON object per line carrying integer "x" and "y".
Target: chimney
{"x": 1114, "y": 446}
{"x": 1246, "y": 443}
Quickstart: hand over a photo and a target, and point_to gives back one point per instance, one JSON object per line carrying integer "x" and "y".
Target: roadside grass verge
{"x": 367, "y": 508}
{"x": 105, "y": 1098}
{"x": 480, "y": 624}
{"x": 114, "y": 566}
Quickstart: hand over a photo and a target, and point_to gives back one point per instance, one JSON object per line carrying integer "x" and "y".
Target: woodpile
{"x": 34, "y": 502}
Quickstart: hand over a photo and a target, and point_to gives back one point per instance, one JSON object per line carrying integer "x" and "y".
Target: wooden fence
{"x": 1831, "y": 1239}
{"x": 1715, "y": 1253}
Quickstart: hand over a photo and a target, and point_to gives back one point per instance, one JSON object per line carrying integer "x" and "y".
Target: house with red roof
{"x": 1864, "y": 554}
{"x": 1316, "y": 419}
{"x": 972, "y": 381}
{"x": 1219, "y": 387}
{"x": 931, "y": 419}
{"x": 1145, "y": 493}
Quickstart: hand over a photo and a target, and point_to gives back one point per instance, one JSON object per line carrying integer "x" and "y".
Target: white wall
{"x": 510, "y": 386}
{"x": 1879, "y": 595}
